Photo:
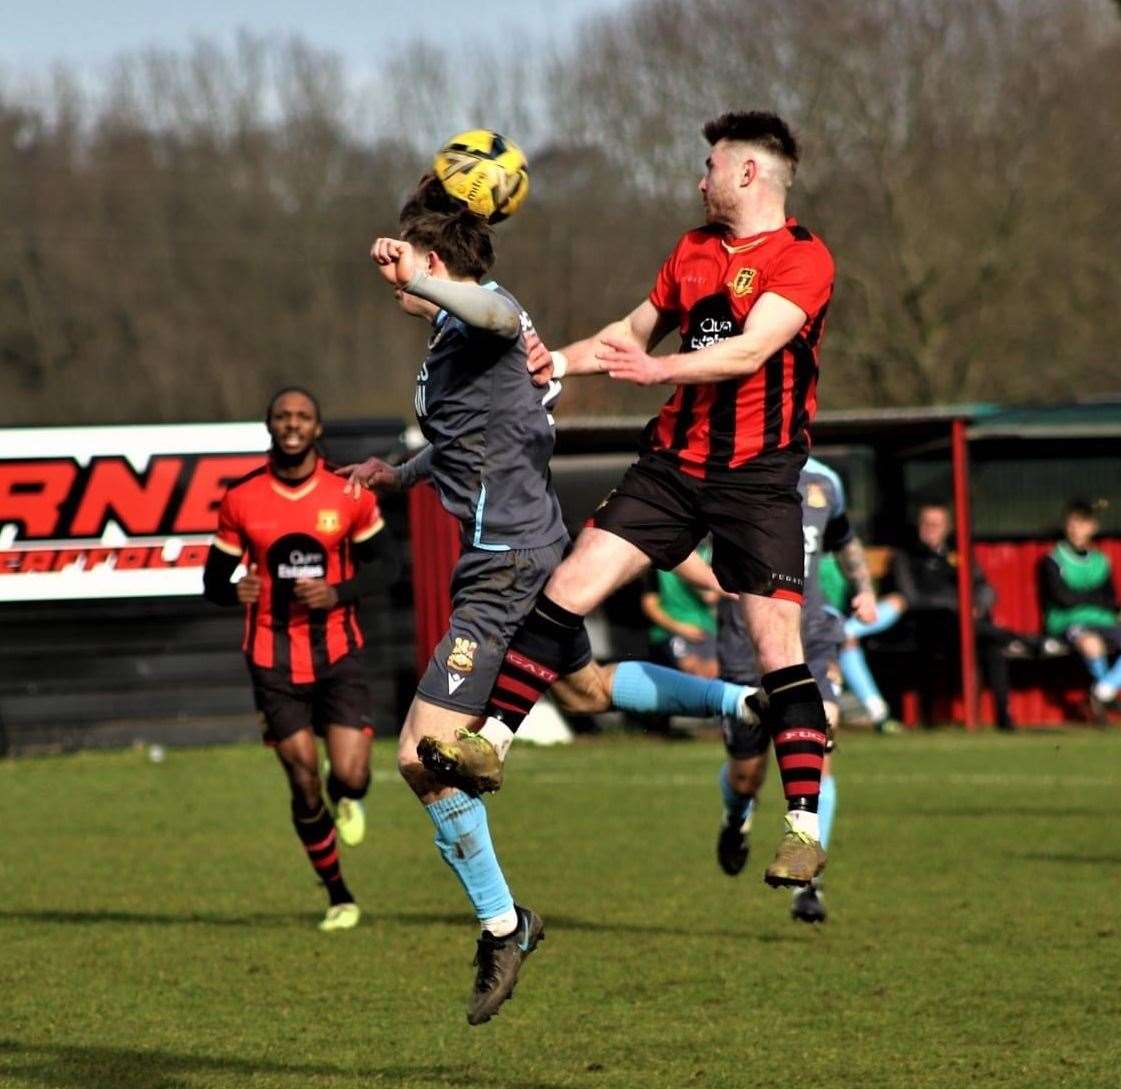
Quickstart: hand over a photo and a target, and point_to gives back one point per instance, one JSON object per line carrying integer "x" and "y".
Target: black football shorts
{"x": 756, "y": 526}
{"x": 339, "y": 697}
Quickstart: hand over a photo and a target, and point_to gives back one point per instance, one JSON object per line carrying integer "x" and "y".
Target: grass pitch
{"x": 157, "y": 927}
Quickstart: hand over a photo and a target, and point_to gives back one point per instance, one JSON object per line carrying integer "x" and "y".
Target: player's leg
{"x": 795, "y": 717}
{"x": 314, "y": 827}
{"x": 287, "y": 711}
{"x": 348, "y": 781}
{"x": 807, "y": 903}
{"x": 649, "y": 519}
{"x": 741, "y": 778}
{"x": 509, "y": 933}
{"x": 540, "y": 650}
{"x": 1107, "y": 687}
{"x": 343, "y": 704}
{"x": 645, "y": 688}
{"x": 854, "y": 665}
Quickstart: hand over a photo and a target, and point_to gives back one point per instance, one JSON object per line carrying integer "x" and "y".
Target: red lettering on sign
{"x": 31, "y": 493}
{"x": 129, "y": 559}
{"x": 67, "y": 557}
{"x": 193, "y": 555}
{"x": 138, "y": 505}
{"x": 96, "y": 556}
{"x": 9, "y": 562}
{"x": 36, "y": 561}
{"x": 212, "y": 475}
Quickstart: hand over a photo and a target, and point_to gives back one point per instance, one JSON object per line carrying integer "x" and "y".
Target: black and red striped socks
{"x": 795, "y": 717}
{"x": 536, "y": 654}
{"x": 317, "y": 833}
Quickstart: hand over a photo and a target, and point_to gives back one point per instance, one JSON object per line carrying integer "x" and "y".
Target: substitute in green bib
{"x": 1080, "y": 602}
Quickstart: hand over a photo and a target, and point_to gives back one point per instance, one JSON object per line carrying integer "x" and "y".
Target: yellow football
{"x": 484, "y": 170}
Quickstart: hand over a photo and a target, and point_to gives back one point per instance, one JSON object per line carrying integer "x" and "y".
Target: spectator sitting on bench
{"x": 1080, "y": 603}
{"x": 926, "y": 576}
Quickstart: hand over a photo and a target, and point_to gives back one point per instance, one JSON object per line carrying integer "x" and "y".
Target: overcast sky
{"x": 85, "y": 33}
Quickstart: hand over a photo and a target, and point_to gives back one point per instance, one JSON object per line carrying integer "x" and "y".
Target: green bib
{"x": 1081, "y": 574}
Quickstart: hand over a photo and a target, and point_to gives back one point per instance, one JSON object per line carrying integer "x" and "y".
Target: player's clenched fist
{"x": 396, "y": 260}
{"x": 249, "y": 588}
{"x": 373, "y": 473}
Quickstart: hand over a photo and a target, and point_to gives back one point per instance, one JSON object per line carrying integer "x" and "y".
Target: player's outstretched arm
{"x": 473, "y": 304}
{"x": 379, "y": 476}
{"x": 470, "y": 302}
{"x": 772, "y": 322}
{"x": 644, "y": 327}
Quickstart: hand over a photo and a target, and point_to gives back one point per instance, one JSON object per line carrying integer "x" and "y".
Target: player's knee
{"x": 305, "y": 784}
{"x": 591, "y": 696}
{"x": 832, "y": 714}
{"x": 1091, "y": 644}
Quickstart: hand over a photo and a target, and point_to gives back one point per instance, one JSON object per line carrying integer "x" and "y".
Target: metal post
{"x": 964, "y": 532}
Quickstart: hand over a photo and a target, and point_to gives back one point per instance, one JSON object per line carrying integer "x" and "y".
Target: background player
{"x": 1080, "y": 603}
{"x": 308, "y": 548}
{"x": 826, "y": 528}
{"x": 748, "y": 293}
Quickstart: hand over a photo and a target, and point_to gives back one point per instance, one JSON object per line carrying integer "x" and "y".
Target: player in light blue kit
{"x": 826, "y": 528}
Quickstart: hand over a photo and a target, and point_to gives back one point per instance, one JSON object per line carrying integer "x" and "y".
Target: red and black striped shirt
{"x": 710, "y": 283}
{"x": 293, "y": 531}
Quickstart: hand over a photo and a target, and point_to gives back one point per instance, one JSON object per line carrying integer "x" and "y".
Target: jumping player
{"x": 748, "y": 293}
{"x": 307, "y": 547}
{"x": 490, "y": 439}
{"x": 826, "y": 528}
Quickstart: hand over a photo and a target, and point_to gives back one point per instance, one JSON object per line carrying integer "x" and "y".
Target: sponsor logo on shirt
{"x": 302, "y": 565}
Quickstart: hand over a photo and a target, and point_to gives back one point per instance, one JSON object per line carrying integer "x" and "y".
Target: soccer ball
{"x": 485, "y": 171}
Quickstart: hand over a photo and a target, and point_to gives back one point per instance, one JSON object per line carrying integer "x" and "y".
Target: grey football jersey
{"x": 491, "y": 435}
{"x": 825, "y": 528}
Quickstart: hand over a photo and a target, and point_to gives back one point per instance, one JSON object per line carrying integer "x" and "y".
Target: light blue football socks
{"x": 1111, "y": 679}
{"x": 861, "y": 683}
{"x": 826, "y": 808}
{"x": 463, "y": 837}
{"x": 646, "y": 688}
{"x": 1098, "y": 667}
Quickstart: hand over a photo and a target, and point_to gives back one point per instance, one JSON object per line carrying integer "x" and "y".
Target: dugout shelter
{"x": 1005, "y": 472}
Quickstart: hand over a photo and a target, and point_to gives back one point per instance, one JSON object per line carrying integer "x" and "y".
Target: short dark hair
{"x": 765, "y": 130}
{"x": 434, "y": 221}
{"x": 293, "y": 389}
{"x": 1080, "y": 508}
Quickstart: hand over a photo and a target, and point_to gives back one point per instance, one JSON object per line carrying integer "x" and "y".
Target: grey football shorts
{"x": 492, "y": 593}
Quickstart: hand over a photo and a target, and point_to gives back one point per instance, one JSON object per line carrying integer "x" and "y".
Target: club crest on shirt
{"x": 816, "y": 497}
{"x": 744, "y": 282}
{"x": 328, "y": 521}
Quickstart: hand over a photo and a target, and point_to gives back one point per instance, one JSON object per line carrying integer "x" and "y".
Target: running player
{"x": 748, "y": 293}
{"x": 825, "y": 526}
{"x": 307, "y": 547}
{"x": 490, "y": 439}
